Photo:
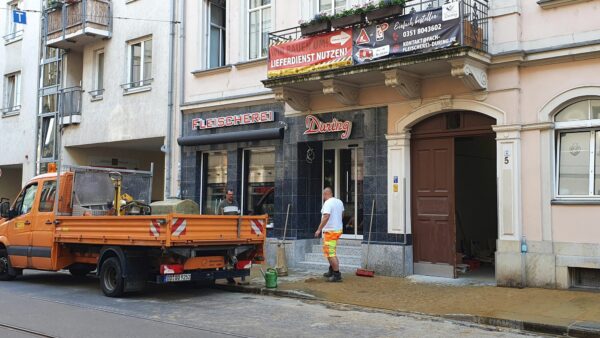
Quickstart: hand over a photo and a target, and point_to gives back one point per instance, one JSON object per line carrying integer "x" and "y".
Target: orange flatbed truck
{"x": 126, "y": 251}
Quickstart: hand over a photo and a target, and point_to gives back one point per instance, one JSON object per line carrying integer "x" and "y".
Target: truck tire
{"x": 111, "y": 278}
{"x": 5, "y": 274}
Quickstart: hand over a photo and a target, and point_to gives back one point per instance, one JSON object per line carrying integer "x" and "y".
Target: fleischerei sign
{"x": 316, "y": 126}
{"x": 233, "y": 120}
{"x": 308, "y": 54}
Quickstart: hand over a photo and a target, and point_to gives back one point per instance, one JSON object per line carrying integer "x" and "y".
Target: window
{"x": 47, "y": 136}
{"x": 47, "y": 196}
{"x": 12, "y": 93}
{"x": 24, "y": 202}
{"x": 216, "y": 42}
{"x": 140, "y": 64}
{"x": 259, "y": 176}
{"x": 332, "y": 6}
{"x": 13, "y": 30}
{"x": 98, "y": 75}
{"x": 50, "y": 74}
{"x": 214, "y": 180}
{"x": 259, "y": 27}
{"x": 578, "y": 149}
{"x": 49, "y": 104}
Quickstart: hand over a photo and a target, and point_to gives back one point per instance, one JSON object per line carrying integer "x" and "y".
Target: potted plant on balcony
{"x": 386, "y": 9}
{"x": 53, "y": 5}
{"x": 352, "y": 16}
{"x": 319, "y": 24}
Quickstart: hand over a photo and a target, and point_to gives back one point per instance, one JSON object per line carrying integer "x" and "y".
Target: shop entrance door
{"x": 343, "y": 168}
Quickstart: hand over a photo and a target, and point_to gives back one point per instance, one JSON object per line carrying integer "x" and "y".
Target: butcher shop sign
{"x": 316, "y": 126}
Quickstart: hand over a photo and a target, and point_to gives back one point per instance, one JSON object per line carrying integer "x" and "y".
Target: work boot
{"x": 328, "y": 273}
{"x": 335, "y": 277}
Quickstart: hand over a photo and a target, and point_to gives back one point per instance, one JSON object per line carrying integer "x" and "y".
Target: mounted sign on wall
{"x": 316, "y": 126}
{"x": 233, "y": 120}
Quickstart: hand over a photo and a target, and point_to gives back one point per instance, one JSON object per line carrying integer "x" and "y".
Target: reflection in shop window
{"x": 259, "y": 196}
{"x": 578, "y": 136}
{"x": 215, "y": 176}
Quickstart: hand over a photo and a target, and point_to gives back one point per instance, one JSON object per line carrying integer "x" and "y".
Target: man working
{"x": 331, "y": 228}
{"x": 228, "y": 206}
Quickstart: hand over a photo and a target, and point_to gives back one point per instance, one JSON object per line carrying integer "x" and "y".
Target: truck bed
{"x": 161, "y": 230}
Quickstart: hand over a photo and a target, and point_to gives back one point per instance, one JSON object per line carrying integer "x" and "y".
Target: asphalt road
{"x": 59, "y": 305}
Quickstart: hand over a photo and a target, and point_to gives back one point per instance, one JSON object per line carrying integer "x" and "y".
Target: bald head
{"x": 327, "y": 193}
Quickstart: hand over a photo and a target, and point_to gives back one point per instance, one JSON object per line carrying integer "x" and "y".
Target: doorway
{"x": 343, "y": 168}
{"x": 454, "y": 194}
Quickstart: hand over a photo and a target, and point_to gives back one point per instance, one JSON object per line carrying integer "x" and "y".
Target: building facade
{"x": 108, "y": 77}
{"x": 19, "y": 106}
{"x": 476, "y": 144}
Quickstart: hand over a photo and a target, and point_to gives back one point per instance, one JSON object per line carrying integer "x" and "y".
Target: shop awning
{"x": 236, "y": 136}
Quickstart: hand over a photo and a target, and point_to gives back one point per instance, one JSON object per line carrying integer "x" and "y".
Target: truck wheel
{"x": 111, "y": 278}
{"x": 80, "y": 272}
{"x": 5, "y": 274}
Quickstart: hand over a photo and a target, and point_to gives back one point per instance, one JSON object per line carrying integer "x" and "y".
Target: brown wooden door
{"x": 433, "y": 223}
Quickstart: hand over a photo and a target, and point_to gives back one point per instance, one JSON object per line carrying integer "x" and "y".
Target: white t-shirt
{"x": 335, "y": 208}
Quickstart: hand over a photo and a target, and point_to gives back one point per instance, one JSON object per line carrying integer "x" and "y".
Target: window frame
{"x": 246, "y": 154}
{"x": 260, "y": 9}
{"x": 13, "y": 107}
{"x": 333, "y": 8}
{"x": 20, "y": 200}
{"x": 591, "y": 126}
{"x": 51, "y": 183}
{"x": 142, "y": 84}
{"x": 223, "y": 35}
{"x": 98, "y": 86}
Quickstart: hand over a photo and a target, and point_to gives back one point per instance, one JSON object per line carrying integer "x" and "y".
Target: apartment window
{"x": 98, "y": 75}
{"x": 12, "y": 93}
{"x": 13, "y": 30}
{"x": 49, "y": 103}
{"x": 216, "y": 42}
{"x": 578, "y": 150}
{"x": 50, "y": 74}
{"x": 332, "y": 6}
{"x": 140, "y": 64}
{"x": 259, "y": 26}
{"x": 47, "y": 137}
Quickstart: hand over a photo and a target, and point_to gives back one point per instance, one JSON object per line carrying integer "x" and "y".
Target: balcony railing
{"x": 76, "y": 23}
{"x": 71, "y": 105}
{"x": 473, "y": 15}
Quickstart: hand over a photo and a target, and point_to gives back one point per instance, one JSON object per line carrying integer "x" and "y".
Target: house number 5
{"x": 506, "y": 157}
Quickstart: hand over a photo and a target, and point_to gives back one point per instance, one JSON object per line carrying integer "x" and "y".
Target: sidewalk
{"x": 576, "y": 313}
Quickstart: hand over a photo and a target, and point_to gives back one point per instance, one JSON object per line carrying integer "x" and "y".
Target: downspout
{"x": 171, "y": 100}
{"x": 181, "y": 82}
{"x": 41, "y": 44}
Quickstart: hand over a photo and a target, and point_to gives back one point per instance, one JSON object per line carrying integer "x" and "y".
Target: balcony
{"x": 73, "y": 24}
{"x": 70, "y": 105}
{"x": 427, "y": 38}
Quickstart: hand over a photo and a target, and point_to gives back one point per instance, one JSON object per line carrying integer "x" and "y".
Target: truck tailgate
{"x": 161, "y": 230}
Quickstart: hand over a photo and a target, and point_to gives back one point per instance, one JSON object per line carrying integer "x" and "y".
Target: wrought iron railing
{"x": 10, "y": 110}
{"x": 96, "y": 94}
{"x": 13, "y": 35}
{"x": 473, "y": 14}
{"x": 137, "y": 84}
{"x": 75, "y": 16}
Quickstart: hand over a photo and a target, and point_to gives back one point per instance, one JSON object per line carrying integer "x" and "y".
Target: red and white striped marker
{"x": 257, "y": 226}
{"x": 154, "y": 228}
{"x": 178, "y": 227}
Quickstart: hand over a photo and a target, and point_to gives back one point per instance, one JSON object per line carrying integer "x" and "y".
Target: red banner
{"x": 312, "y": 53}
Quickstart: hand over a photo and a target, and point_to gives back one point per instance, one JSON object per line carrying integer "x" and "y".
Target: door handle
{"x": 48, "y": 222}
{"x": 27, "y": 223}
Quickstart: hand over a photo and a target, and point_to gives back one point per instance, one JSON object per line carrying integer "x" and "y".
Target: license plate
{"x": 185, "y": 277}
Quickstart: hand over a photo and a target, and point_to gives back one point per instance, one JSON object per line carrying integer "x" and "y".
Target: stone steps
{"x": 323, "y": 266}
{"x": 344, "y": 259}
{"x": 341, "y": 250}
{"x": 349, "y": 253}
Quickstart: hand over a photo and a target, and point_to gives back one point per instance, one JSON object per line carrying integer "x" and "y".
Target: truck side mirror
{"x": 4, "y": 209}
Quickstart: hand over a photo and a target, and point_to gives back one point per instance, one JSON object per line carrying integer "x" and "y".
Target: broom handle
{"x": 369, "y": 240}
{"x": 287, "y": 214}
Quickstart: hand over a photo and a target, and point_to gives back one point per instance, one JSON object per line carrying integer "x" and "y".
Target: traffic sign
{"x": 19, "y": 17}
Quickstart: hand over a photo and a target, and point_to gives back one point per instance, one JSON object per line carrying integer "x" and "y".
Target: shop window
{"x": 214, "y": 170}
{"x": 259, "y": 176}
{"x": 578, "y": 150}
{"x": 47, "y": 196}
{"x": 216, "y": 42}
{"x": 12, "y": 93}
{"x": 140, "y": 64}
{"x": 260, "y": 25}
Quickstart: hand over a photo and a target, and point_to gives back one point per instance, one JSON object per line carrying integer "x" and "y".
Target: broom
{"x": 281, "y": 266}
{"x": 366, "y": 272}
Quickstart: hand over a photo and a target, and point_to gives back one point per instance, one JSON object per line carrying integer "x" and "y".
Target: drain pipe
{"x": 181, "y": 83}
{"x": 167, "y": 149}
{"x": 405, "y": 235}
